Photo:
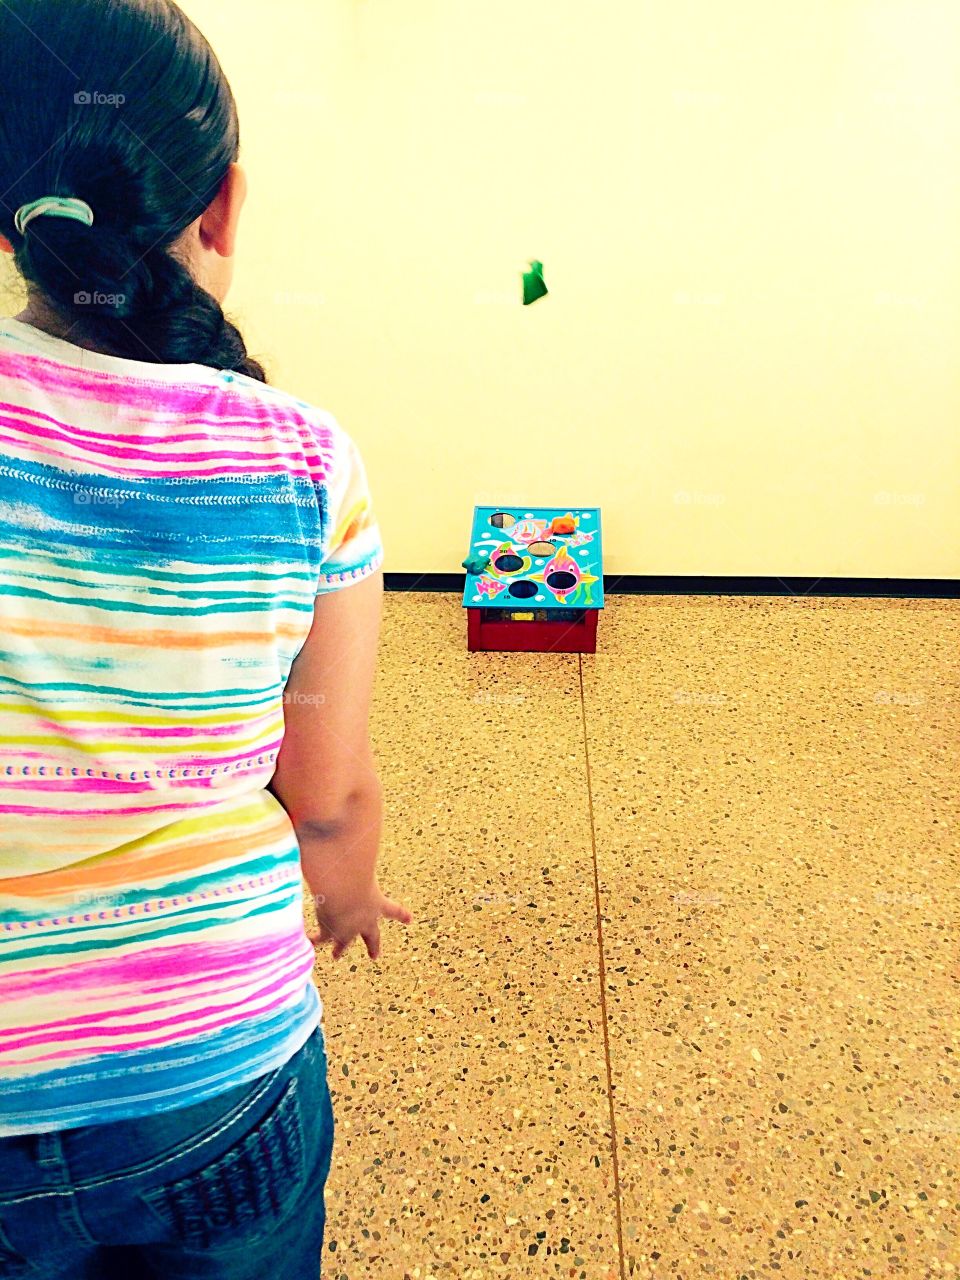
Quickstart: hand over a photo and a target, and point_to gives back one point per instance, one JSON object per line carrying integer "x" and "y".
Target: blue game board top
{"x": 540, "y": 558}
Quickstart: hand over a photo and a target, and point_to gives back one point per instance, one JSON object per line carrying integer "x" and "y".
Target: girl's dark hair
{"x": 123, "y": 104}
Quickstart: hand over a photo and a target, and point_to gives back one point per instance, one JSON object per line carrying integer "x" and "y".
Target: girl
{"x": 190, "y": 595}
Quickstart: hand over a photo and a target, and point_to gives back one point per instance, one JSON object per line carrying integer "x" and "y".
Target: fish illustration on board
{"x": 508, "y": 568}
{"x": 489, "y": 587}
{"x": 565, "y": 579}
{"x": 527, "y": 531}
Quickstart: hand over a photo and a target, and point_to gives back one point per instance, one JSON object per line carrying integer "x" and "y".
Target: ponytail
{"x": 143, "y": 306}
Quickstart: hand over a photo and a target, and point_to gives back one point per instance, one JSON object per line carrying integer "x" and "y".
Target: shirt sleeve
{"x": 352, "y": 546}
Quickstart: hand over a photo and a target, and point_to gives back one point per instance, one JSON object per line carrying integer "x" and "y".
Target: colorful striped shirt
{"x": 164, "y": 533}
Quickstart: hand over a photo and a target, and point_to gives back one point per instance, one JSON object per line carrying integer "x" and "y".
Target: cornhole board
{"x": 542, "y": 589}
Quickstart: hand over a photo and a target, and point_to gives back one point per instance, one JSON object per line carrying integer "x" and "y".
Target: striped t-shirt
{"x": 164, "y": 533}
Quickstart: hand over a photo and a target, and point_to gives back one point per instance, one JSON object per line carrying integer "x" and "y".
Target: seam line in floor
{"x": 603, "y": 983}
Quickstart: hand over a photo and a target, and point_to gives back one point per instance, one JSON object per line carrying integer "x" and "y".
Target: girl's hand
{"x": 341, "y": 923}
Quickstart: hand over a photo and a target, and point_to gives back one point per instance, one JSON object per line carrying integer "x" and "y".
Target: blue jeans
{"x": 228, "y": 1189}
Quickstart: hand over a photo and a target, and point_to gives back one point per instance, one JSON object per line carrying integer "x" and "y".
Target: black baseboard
{"x": 667, "y": 585}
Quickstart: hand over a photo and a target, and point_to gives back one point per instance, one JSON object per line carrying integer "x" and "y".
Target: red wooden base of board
{"x": 532, "y": 637}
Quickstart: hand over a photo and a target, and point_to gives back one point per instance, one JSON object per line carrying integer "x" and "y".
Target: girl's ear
{"x": 5, "y": 245}
{"x": 218, "y": 225}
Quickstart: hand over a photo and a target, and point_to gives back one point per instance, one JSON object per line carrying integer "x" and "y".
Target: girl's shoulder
{"x": 319, "y": 425}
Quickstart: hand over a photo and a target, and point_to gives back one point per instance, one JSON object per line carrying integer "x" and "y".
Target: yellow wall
{"x": 749, "y": 218}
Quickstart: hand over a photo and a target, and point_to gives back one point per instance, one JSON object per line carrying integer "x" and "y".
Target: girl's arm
{"x": 326, "y": 778}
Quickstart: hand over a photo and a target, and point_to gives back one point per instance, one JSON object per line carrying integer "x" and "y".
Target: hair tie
{"x": 54, "y": 207}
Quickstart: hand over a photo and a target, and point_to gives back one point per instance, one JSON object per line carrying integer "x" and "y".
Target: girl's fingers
{"x": 322, "y": 936}
{"x": 372, "y": 939}
{"x": 396, "y": 911}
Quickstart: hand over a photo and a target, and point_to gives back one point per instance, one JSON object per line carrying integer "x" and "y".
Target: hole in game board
{"x": 561, "y": 580}
{"x": 507, "y": 563}
{"x": 541, "y": 548}
{"x": 502, "y": 520}
{"x": 523, "y": 590}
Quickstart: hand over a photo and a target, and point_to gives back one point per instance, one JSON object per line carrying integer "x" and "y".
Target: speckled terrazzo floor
{"x": 747, "y": 1063}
